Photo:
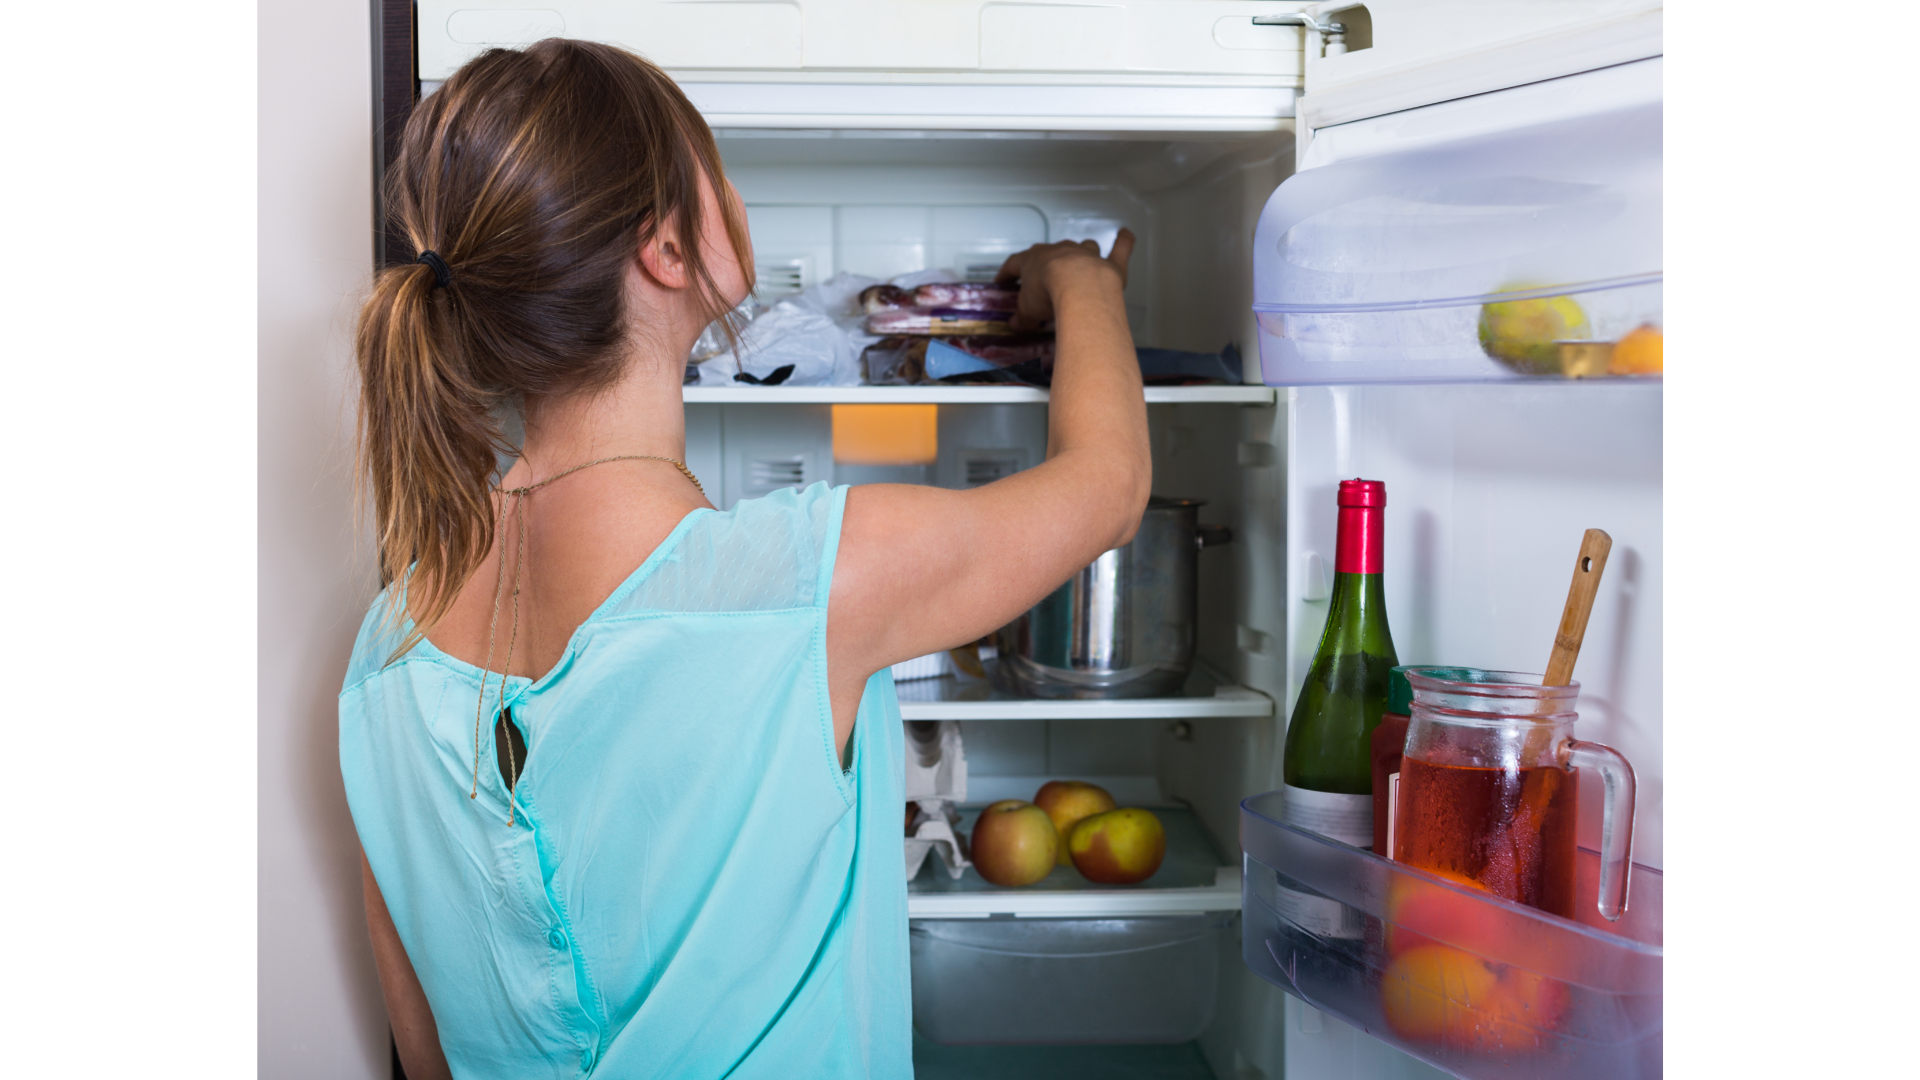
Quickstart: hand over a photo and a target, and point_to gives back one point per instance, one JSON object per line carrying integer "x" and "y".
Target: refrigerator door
{"x": 1485, "y": 120}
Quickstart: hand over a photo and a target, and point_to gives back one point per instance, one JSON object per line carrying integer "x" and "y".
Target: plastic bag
{"x": 817, "y": 333}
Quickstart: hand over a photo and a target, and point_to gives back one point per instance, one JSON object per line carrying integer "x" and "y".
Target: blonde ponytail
{"x": 428, "y": 442}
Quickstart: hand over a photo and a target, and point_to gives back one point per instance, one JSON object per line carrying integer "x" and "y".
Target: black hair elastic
{"x": 442, "y": 273}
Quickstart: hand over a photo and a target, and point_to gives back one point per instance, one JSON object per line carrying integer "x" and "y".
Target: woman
{"x": 626, "y": 769}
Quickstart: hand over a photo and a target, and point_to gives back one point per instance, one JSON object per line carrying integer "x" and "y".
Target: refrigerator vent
{"x": 776, "y": 278}
{"x": 771, "y": 474}
{"x": 981, "y": 273}
{"x": 986, "y": 466}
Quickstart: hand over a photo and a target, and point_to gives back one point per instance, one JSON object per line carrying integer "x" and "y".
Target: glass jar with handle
{"x": 1488, "y": 789}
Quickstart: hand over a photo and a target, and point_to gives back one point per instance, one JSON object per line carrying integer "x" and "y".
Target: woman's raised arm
{"x": 922, "y": 569}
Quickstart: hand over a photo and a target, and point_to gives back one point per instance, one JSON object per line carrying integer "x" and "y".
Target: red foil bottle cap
{"x": 1363, "y": 493}
{"x": 1362, "y": 521}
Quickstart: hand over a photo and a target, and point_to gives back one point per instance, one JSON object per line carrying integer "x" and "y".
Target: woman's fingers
{"x": 1122, "y": 251}
{"x": 1035, "y": 308}
{"x": 1010, "y": 270}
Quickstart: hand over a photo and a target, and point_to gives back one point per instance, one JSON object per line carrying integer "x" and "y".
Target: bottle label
{"x": 1320, "y": 916}
{"x": 1346, "y": 818}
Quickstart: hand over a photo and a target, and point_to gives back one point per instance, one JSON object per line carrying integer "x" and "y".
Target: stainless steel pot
{"x": 1121, "y": 628}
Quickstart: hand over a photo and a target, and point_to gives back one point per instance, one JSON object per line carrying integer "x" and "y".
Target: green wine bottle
{"x": 1328, "y": 767}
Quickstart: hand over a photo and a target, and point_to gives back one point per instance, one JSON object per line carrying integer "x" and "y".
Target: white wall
{"x": 320, "y": 1012}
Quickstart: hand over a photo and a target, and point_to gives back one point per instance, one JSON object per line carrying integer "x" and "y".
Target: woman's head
{"x": 538, "y": 177}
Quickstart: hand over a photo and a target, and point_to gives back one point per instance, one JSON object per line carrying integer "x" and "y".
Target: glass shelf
{"x": 961, "y": 698}
{"x": 1192, "y": 880}
{"x": 1479, "y": 986}
{"x": 953, "y": 395}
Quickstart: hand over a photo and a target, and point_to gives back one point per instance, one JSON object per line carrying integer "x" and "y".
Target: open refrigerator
{"x": 1337, "y": 191}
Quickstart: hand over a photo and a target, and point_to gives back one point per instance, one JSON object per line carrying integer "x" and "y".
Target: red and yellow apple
{"x": 1067, "y": 801}
{"x": 1014, "y": 843}
{"x": 1118, "y": 847}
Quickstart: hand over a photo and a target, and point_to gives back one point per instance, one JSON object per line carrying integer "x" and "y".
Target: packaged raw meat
{"x": 896, "y": 361}
{"x": 966, "y": 296}
{"x": 877, "y": 298}
{"x": 938, "y": 322}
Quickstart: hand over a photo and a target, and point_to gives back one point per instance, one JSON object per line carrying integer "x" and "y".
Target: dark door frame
{"x": 396, "y": 89}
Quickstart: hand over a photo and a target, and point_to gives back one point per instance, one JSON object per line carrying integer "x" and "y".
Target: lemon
{"x": 1521, "y": 333}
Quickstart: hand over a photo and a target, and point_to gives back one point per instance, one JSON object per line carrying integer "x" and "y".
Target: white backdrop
{"x": 320, "y": 1012}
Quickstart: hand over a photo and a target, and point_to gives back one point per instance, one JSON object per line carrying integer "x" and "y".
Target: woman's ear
{"x": 663, "y": 260}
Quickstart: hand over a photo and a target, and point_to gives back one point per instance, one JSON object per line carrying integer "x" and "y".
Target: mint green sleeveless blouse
{"x": 692, "y": 887}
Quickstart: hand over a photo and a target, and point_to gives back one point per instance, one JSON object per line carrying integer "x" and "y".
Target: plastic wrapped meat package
{"x": 918, "y": 329}
{"x": 939, "y": 308}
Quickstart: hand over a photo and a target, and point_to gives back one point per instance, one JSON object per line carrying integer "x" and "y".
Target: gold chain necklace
{"x": 516, "y": 500}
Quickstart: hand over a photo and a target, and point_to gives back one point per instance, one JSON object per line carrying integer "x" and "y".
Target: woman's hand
{"x": 1062, "y": 270}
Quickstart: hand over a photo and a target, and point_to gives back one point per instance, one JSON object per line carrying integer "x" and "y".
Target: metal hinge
{"x": 1333, "y": 35}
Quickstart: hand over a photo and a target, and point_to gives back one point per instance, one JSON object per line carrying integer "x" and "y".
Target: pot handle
{"x": 1212, "y": 536}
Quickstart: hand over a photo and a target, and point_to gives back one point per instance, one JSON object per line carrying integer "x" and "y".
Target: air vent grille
{"x": 774, "y": 473}
{"x": 981, "y": 273}
{"x": 776, "y": 278}
{"x": 987, "y": 466}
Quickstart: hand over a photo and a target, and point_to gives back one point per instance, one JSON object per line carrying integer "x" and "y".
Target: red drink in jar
{"x": 1508, "y": 830}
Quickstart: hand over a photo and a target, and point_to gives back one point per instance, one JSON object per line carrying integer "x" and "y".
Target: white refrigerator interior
{"x": 888, "y": 138}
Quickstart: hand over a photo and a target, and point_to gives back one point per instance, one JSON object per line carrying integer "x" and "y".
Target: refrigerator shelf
{"x": 953, "y": 395}
{"x": 1191, "y": 881}
{"x": 958, "y": 698}
{"x": 1479, "y": 986}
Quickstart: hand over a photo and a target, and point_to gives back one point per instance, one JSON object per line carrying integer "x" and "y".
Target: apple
{"x": 1527, "y": 1009}
{"x": 1014, "y": 843}
{"x": 1118, "y": 847}
{"x": 1422, "y": 913}
{"x": 1067, "y": 801}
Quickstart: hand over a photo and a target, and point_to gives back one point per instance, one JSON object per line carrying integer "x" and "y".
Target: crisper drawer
{"x": 1473, "y": 984}
{"x": 1026, "y": 981}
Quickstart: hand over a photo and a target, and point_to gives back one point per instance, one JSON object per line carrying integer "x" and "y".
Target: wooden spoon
{"x": 1511, "y": 876}
{"x": 1587, "y": 569}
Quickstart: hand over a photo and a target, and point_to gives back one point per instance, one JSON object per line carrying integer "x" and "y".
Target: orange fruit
{"x": 1431, "y": 992}
{"x": 1638, "y": 353}
{"x": 1440, "y": 994}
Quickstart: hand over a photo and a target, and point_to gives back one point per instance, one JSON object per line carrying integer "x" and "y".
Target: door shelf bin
{"x": 1472, "y": 984}
{"x": 1426, "y": 260}
{"x": 1445, "y": 340}
{"x": 1030, "y": 981}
